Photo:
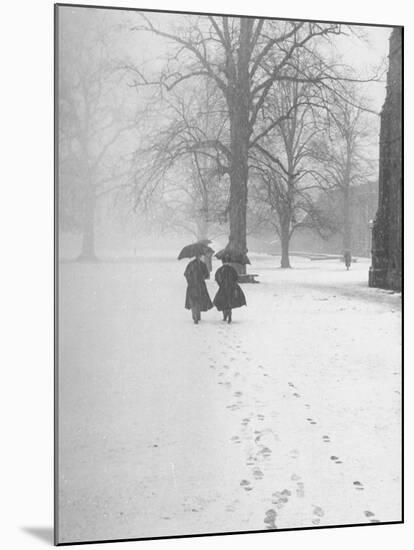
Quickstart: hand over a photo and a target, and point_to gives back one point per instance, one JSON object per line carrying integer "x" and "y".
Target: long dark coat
{"x": 229, "y": 294}
{"x": 196, "y": 272}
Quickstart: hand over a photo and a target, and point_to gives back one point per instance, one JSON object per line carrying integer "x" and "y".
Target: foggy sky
{"x": 149, "y": 50}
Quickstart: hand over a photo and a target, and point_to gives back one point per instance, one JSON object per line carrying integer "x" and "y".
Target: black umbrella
{"x": 195, "y": 249}
{"x": 232, "y": 256}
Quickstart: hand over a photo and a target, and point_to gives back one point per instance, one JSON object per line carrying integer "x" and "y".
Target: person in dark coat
{"x": 229, "y": 294}
{"x": 347, "y": 259}
{"x": 197, "y": 298}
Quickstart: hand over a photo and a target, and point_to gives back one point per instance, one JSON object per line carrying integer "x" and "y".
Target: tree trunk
{"x": 88, "y": 237}
{"x": 284, "y": 242}
{"x": 202, "y": 228}
{"x": 347, "y": 220}
{"x": 238, "y": 203}
{"x": 239, "y": 109}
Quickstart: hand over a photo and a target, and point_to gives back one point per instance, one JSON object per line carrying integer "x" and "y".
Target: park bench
{"x": 248, "y": 278}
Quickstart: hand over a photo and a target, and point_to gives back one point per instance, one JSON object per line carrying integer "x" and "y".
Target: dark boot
{"x": 229, "y": 316}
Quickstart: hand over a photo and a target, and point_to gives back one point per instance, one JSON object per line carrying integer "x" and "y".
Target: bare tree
{"x": 93, "y": 121}
{"x": 283, "y": 165}
{"x": 346, "y": 156}
{"x": 192, "y": 198}
{"x": 244, "y": 57}
{"x": 187, "y": 158}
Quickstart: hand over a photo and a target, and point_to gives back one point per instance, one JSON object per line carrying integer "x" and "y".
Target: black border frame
{"x": 56, "y": 276}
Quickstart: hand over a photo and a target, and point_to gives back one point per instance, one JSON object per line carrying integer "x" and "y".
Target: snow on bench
{"x": 248, "y": 278}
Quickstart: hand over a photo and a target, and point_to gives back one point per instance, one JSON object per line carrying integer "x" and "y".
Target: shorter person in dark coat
{"x": 229, "y": 294}
{"x": 347, "y": 259}
{"x": 197, "y": 298}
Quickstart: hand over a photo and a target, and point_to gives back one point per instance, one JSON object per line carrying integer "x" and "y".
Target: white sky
{"x": 362, "y": 55}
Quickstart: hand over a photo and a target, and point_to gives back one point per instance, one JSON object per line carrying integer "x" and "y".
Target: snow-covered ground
{"x": 289, "y": 417}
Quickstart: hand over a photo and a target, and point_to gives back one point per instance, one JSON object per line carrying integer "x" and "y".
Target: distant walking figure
{"x": 197, "y": 298}
{"x": 229, "y": 294}
{"x": 347, "y": 260}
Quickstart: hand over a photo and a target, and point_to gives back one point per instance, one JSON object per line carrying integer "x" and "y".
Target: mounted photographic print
{"x": 228, "y": 259}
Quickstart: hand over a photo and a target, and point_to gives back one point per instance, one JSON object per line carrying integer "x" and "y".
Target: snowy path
{"x": 289, "y": 417}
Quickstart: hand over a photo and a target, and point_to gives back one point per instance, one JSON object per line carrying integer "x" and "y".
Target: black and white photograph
{"x": 228, "y": 273}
